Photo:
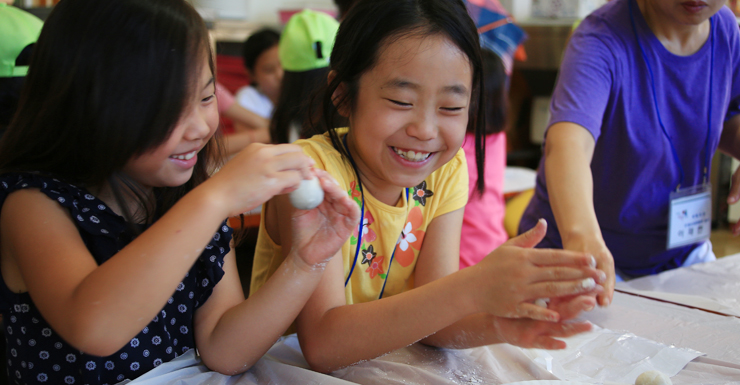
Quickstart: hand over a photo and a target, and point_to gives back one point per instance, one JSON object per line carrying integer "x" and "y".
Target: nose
{"x": 279, "y": 74}
{"x": 424, "y": 127}
{"x": 198, "y": 125}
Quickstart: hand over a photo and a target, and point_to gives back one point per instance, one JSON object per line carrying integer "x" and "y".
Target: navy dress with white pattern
{"x": 37, "y": 355}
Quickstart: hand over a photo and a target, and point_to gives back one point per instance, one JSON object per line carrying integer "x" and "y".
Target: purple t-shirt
{"x": 604, "y": 85}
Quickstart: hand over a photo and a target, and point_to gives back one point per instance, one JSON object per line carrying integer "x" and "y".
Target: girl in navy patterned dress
{"x": 114, "y": 253}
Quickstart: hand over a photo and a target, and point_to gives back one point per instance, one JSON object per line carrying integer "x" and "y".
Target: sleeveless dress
{"x": 37, "y": 355}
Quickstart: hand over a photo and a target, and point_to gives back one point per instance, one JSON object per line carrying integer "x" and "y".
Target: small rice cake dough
{"x": 308, "y": 195}
{"x": 653, "y": 377}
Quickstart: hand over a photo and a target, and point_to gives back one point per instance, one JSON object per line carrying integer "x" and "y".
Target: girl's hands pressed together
{"x": 570, "y": 307}
{"x": 260, "y": 172}
{"x": 320, "y": 232}
{"x": 529, "y": 333}
{"x": 525, "y": 274}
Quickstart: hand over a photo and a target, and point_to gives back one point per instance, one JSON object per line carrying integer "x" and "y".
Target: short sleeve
{"x": 210, "y": 265}
{"x": 329, "y": 159}
{"x": 584, "y": 82}
{"x": 451, "y": 184}
{"x": 90, "y": 214}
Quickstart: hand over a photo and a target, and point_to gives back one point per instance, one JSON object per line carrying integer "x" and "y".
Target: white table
{"x": 713, "y": 286}
{"x": 656, "y": 321}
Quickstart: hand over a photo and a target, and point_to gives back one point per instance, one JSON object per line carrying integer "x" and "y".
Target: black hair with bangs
{"x": 256, "y": 44}
{"x": 108, "y": 81}
{"x": 371, "y": 25}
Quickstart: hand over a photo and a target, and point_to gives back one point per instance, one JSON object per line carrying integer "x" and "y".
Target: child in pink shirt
{"x": 483, "y": 221}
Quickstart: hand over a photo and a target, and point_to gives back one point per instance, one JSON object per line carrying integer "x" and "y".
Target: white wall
{"x": 264, "y": 12}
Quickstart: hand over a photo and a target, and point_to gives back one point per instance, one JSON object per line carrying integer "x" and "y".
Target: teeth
{"x": 412, "y": 155}
{"x": 187, "y": 156}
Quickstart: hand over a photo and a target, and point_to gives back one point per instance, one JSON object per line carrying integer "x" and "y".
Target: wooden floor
{"x": 723, "y": 243}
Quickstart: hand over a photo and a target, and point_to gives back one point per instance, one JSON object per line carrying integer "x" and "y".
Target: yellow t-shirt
{"x": 385, "y": 228}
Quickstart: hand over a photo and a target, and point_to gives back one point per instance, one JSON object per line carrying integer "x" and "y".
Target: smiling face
{"x": 171, "y": 163}
{"x": 410, "y": 114}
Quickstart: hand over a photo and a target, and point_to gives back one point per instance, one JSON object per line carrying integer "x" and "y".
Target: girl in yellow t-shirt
{"x": 410, "y": 86}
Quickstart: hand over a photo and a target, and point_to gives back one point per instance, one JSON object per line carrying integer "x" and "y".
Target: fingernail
{"x": 606, "y": 302}
{"x": 592, "y": 261}
{"x": 543, "y": 221}
{"x": 602, "y": 277}
{"x": 589, "y": 307}
{"x": 588, "y": 284}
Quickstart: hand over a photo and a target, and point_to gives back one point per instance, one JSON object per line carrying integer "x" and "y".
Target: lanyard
{"x": 657, "y": 108}
{"x": 362, "y": 220}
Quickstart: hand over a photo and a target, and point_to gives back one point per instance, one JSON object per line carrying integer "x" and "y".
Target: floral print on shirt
{"x": 411, "y": 238}
{"x": 421, "y": 193}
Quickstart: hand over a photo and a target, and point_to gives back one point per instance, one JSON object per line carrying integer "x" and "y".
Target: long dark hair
{"x": 495, "y": 88}
{"x": 370, "y": 25}
{"x": 343, "y": 7}
{"x": 108, "y": 80}
{"x": 298, "y": 105}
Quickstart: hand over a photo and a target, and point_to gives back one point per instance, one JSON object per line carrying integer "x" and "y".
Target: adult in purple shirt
{"x": 609, "y": 168}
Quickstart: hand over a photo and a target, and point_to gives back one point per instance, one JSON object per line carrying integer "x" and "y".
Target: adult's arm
{"x": 569, "y": 149}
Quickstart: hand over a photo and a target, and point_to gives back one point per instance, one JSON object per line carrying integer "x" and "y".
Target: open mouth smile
{"x": 412, "y": 155}
{"x": 185, "y": 156}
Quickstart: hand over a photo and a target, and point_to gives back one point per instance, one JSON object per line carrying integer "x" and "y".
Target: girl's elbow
{"x": 321, "y": 359}
{"x": 226, "y": 365}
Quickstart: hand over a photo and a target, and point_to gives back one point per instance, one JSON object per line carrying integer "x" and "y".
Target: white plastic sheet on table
{"x": 636, "y": 330}
{"x": 591, "y": 357}
{"x": 603, "y": 355}
{"x": 712, "y": 286}
{"x": 715, "y": 335}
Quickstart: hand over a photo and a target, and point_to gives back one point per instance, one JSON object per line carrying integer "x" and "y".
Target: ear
{"x": 339, "y": 95}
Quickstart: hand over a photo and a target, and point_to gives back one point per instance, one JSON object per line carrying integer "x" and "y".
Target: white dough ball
{"x": 308, "y": 195}
{"x": 542, "y": 302}
{"x": 653, "y": 377}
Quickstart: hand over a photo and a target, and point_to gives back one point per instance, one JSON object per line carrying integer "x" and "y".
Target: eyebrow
{"x": 210, "y": 81}
{"x": 457, "y": 89}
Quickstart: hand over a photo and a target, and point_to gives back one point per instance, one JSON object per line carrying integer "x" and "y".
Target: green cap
{"x": 18, "y": 29}
{"x": 307, "y": 41}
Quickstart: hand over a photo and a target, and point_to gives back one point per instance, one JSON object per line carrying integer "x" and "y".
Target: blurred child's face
{"x": 411, "y": 111}
{"x": 171, "y": 163}
{"x": 268, "y": 73}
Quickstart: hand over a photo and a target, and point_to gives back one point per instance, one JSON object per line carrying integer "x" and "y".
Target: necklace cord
{"x": 705, "y": 169}
{"x": 362, "y": 220}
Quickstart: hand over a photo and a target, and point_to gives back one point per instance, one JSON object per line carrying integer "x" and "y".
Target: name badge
{"x": 690, "y": 216}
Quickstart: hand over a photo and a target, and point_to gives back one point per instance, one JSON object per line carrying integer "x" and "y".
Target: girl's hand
{"x": 604, "y": 262}
{"x": 260, "y": 172}
{"x": 529, "y": 333}
{"x": 319, "y": 233}
{"x": 514, "y": 275}
{"x": 571, "y": 306}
